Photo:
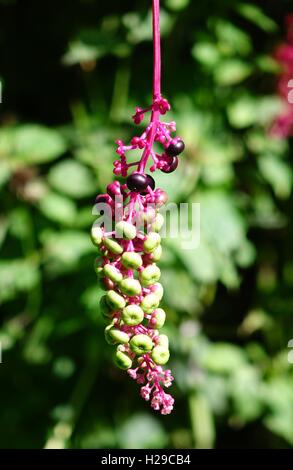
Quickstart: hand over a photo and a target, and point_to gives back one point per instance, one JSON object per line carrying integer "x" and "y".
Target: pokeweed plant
{"x": 128, "y": 255}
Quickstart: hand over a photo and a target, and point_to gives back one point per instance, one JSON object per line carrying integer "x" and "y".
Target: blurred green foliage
{"x": 72, "y": 73}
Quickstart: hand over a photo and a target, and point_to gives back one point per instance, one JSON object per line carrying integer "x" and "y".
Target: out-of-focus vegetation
{"x": 72, "y": 73}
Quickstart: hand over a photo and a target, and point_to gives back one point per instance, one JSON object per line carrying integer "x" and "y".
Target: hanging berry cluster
{"x": 127, "y": 262}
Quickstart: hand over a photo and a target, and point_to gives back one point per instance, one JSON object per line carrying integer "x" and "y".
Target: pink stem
{"x": 156, "y": 85}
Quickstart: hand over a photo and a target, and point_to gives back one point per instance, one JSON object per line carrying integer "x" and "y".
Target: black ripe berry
{"x": 138, "y": 182}
{"x": 171, "y": 166}
{"x": 175, "y": 148}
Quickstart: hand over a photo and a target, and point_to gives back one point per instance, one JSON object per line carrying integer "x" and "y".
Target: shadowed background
{"x": 72, "y": 73}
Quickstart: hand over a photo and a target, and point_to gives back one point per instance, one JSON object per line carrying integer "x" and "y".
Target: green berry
{"x": 141, "y": 344}
{"x": 132, "y": 315}
{"x": 150, "y": 275}
{"x": 104, "y": 308}
{"x": 158, "y": 290}
{"x": 164, "y": 341}
{"x": 98, "y": 268}
{"x": 160, "y": 355}
{"x": 158, "y": 223}
{"x": 108, "y": 338}
{"x": 148, "y": 215}
{"x": 118, "y": 336}
{"x": 157, "y": 253}
{"x": 149, "y": 303}
{"x": 151, "y": 242}
{"x": 96, "y": 235}
{"x": 160, "y": 317}
{"x": 112, "y": 273}
{"x": 125, "y": 230}
{"x": 113, "y": 246}
{"x": 130, "y": 286}
{"x": 131, "y": 260}
{"x": 115, "y": 300}
{"x": 122, "y": 360}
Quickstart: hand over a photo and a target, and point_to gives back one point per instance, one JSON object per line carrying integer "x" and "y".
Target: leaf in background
{"x": 242, "y": 112}
{"x": 17, "y": 276}
{"x": 206, "y": 53}
{"x": 223, "y": 358}
{"x": 64, "y": 250}
{"x": 185, "y": 298}
{"x": 142, "y": 431}
{"x": 232, "y": 71}
{"x": 177, "y": 5}
{"x": 4, "y": 172}
{"x": 254, "y": 14}
{"x": 140, "y": 28}
{"x": 58, "y": 208}
{"x": 246, "y": 392}
{"x": 34, "y": 144}
{"x": 232, "y": 40}
{"x": 277, "y": 173}
{"x": 202, "y": 421}
{"x": 72, "y": 178}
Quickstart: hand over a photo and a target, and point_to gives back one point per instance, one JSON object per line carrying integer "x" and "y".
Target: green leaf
{"x": 206, "y": 53}
{"x": 35, "y": 144}
{"x": 223, "y": 358}
{"x": 5, "y": 172}
{"x": 202, "y": 421}
{"x": 17, "y": 276}
{"x": 177, "y": 5}
{"x": 142, "y": 431}
{"x": 277, "y": 173}
{"x": 72, "y": 178}
{"x": 231, "y": 71}
{"x": 246, "y": 393}
{"x": 232, "y": 40}
{"x": 58, "y": 208}
{"x": 254, "y": 14}
{"x": 242, "y": 112}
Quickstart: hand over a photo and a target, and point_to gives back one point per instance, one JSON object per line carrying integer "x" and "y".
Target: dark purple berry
{"x": 171, "y": 165}
{"x": 138, "y": 182}
{"x": 151, "y": 184}
{"x": 175, "y": 148}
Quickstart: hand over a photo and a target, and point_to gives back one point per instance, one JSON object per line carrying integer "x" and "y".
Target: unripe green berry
{"x": 160, "y": 355}
{"x": 160, "y": 317}
{"x": 141, "y": 344}
{"x": 122, "y": 360}
{"x": 108, "y": 338}
{"x": 125, "y": 230}
{"x": 158, "y": 223}
{"x": 164, "y": 341}
{"x": 131, "y": 260}
{"x": 98, "y": 268}
{"x": 157, "y": 254}
{"x": 112, "y": 273}
{"x": 132, "y": 315}
{"x": 130, "y": 286}
{"x": 105, "y": 308}
{"x": 158, "y": 290}
{"x": 151, "y": 242}
{"x": 149, "y": 303}
{"x": 96, "y": 235}
{"x": 113, "y": 246}
{"x": 115, "y": 300}
{"x": 150, "y": 275}
{"x": 118, "y": 336}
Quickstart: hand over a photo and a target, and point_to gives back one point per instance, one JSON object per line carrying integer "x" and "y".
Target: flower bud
{"x": 113, "y": 273}
{"x": 151, "y": 242}
{"x": 141, "y": 344}
{"x": 158, "y": 318}
{"x": 132, "y": 315}
{"x": 131, "y": 260}
{"x": 130, "y": 286}
{"x": 148, "y": 215}
{"x": 158, "y": 290}
{"x": 122, "y": 360}
{"x": 125, "y": 230}
{"x": 118, "y": 336}
{"x": 114, "y": 300}
{"x": 149, "y": 303}
{"x": 164, "y": 341}
{"x": 96, "y": 235}
{"x": 156, "y": 254}
{"x": 150, "y": 275}
{"x": 113, "y": 246}
{"x": 158, "y": 223}
{"x": 160, "y": 355}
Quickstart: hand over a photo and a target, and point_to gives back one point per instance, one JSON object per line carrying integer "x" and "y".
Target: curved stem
{"x": 156, "y": 85}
